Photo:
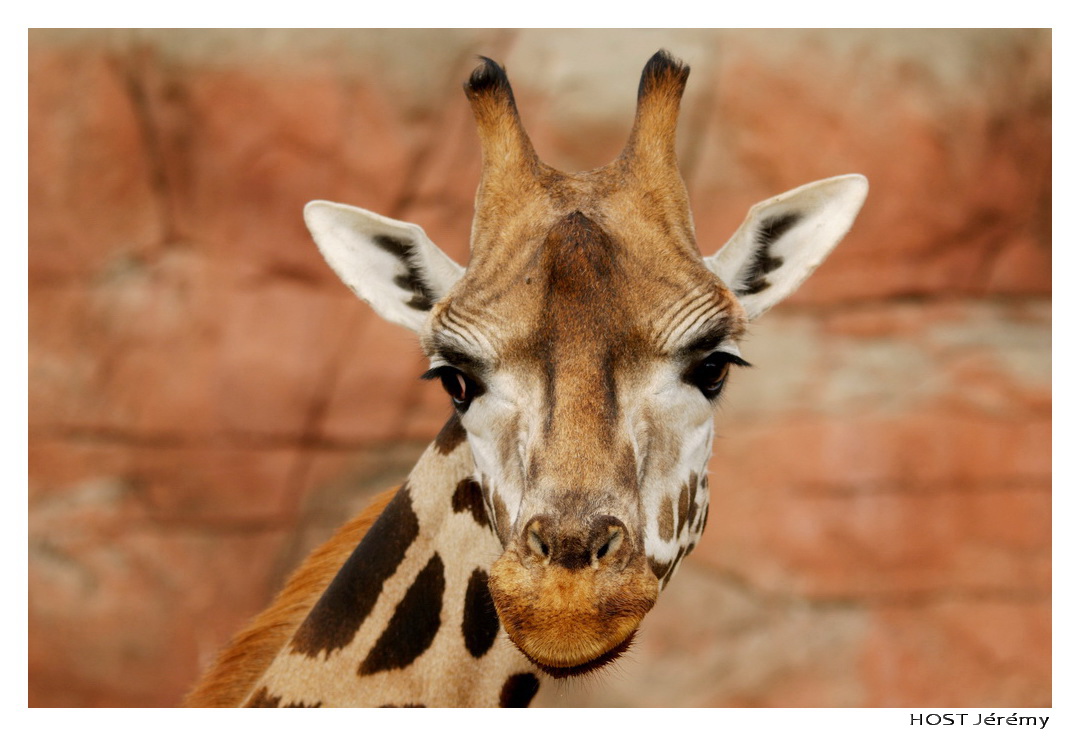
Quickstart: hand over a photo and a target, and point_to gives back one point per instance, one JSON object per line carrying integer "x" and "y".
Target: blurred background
{"x": 208, "y": 402}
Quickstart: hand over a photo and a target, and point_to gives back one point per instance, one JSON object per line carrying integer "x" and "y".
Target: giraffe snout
{"x": 571, "y": 592}
{"x": 602, "y": 540}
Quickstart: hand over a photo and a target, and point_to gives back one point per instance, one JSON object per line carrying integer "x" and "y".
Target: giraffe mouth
{"x": 560, "y": 673}
{"x": 568, "y": 622}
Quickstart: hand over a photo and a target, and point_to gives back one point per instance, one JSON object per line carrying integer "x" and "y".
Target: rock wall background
{"x": 207, "y": 402}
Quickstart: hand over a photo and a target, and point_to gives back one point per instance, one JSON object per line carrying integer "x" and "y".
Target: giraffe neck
{"x": 408, "y": 620}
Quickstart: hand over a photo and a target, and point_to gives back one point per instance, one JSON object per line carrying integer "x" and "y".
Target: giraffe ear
{"x": 785, "y": 238}
{"x": 391, "y": 265}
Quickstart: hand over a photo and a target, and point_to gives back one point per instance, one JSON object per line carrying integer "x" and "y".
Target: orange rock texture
{"x": 207, "y": 401}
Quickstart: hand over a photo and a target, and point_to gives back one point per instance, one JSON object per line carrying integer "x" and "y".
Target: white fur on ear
{"x": 785, "y": 238}
{"x": 391, "y": 265}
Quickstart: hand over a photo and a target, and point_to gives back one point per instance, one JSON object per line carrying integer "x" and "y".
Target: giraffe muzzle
{"x": 571, "y": 596}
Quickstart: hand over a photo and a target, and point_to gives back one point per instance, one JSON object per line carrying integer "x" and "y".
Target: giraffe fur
{"x": 231, "y": 679}
{"x": 372, "y": 665}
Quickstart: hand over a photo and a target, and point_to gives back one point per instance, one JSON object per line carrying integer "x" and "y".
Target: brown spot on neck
{"x": 450, "y": 436}
{"x": 518, "y": 690}
{"x": 263, "y": 699}
{"x": 469, "y": 497}
{"x": 347, "y": 601}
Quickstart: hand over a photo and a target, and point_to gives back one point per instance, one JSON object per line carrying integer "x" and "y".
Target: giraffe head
{"x": 584, "y": 349}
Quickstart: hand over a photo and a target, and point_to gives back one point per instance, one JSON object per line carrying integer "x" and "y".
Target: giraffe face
{"x": 584, "y": 349}
{"x": 586, "y": 383}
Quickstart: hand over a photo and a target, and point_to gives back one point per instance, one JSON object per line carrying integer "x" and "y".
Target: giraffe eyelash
{"x": 459, "y": 385}
{"x": 710, "y": 373}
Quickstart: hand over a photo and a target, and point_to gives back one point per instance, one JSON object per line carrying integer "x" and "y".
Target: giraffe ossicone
{"x": 583, "y": 350}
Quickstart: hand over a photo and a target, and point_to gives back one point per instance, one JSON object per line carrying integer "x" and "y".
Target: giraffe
{"x": 583, "y": 351}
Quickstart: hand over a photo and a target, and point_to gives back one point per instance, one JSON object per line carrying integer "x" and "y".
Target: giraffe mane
{"x": 240, "y": 665}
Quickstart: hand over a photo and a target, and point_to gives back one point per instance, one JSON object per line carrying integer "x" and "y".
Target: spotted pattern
{"x": 703, "y": 512}
{"x": 659, "y": 569}
{"x": 263, "y": 699}
{"x": 480, "y": 623}
{"x": 700, "y": 513}
{"x": 682, "y": 517}
{"x": 414, "y": 624}
{"x": 450, "y": 436}
{"x": 673, "y": 568}
{"x": 347, "y": 602}
{"x": 684, "y": 505}
{"x": 519, "y": 690}
{"x": 692, "y": 509}
{"x": 469, "y": 497}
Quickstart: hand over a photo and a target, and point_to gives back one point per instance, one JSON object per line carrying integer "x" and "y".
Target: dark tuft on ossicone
{"x": 488, "y": 77}
{"x": 660, "y": 68}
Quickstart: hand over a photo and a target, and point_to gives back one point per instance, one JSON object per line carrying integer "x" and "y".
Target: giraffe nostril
{"x": 537, "y": 543}
{"x": 574, "y": 543}
{"x": 612, "y": 544}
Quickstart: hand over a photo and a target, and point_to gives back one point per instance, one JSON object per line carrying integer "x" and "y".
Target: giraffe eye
{"x": 459, "y": 386}
{"x": 709, "y": 375}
